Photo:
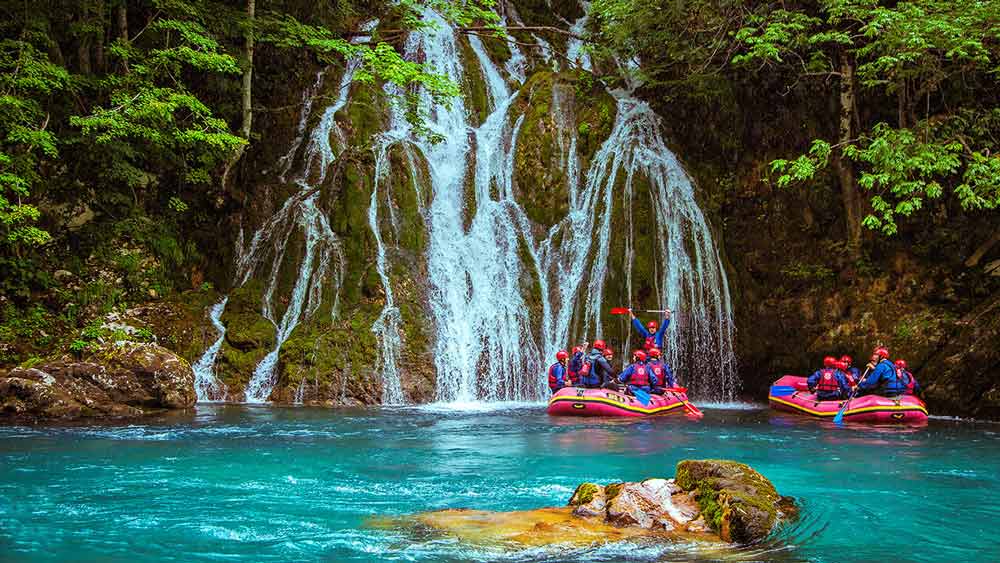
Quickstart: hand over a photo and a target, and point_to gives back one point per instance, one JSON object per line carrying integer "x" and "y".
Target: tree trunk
{"x": 845, "y": 170}
{"x": 247, "y": 125}
{"x": 101, "y": 35}
{"x": 122, "y": 16}
{"x": 248, "y": 76}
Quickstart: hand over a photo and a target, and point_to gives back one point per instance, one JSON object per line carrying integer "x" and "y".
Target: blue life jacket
{"x": 882, "y": 380}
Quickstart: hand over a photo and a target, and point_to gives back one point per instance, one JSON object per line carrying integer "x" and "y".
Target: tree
{"x": 945, "y": 139}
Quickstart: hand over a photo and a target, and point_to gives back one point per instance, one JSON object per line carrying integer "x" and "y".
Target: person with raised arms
{"x": 652, "y": 333}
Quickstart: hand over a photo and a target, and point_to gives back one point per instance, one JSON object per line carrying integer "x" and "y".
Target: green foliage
{"x": 27, "y": 77}
{"x": 78, "y": 347}
{"x": 909, "y": 50}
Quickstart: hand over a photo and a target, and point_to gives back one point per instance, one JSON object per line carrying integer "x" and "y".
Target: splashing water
{"x": 206, "y": 386}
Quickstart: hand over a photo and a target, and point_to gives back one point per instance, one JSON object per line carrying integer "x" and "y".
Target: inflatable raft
{"x": 577, "y": 401}
{"x": 791, "y": 394}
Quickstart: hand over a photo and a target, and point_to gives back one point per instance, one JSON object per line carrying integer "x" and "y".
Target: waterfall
{"x": 483, "y": 247}
{"x": 206, "y": 386}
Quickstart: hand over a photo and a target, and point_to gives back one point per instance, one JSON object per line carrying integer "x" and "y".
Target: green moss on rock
{"x": 584, "y": 494}
{"x": 738, "y": 502}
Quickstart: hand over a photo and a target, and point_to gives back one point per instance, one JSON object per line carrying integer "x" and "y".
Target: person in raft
{"x": 652, "y": 334}
{"x": 576, "y": 363}
{"x": 638, "y": 375}
{"x": 885, "y": 378}
{"x": 852, "y": 373}
{"x": 912, "y": 387}
{"x": 829, "y": 383}
{"x": 661, "y": 371}
{"x": 598, "y": 370}
{"x": 558, "y": 374}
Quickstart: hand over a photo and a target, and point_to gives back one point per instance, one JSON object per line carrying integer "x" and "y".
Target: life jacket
{"x": 640, "y": 376}
{"x": 911, "y": 384}
{"x": 657, "y": 369}
{"x": 575, "y": 365}
{"x": 828, "y": 382}
{"x": 650, "y": 343}
{"x": 898, "y": 383}
{"x": 851, "y": 375}
{"x": 553, "y": 380}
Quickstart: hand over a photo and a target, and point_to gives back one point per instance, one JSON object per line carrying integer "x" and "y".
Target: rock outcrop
{"x": 116, "y": 380}
{"x": 709, "y": 501}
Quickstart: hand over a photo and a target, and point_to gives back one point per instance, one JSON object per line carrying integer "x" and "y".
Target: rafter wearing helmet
{"x": 652, "y": 333}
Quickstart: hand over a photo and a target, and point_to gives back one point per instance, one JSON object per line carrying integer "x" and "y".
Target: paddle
{"x": 839, "y": 419}
{"x": 687, "y": 406}
{"x": 782, "y": 390}
{"x": 624, "y": 310}
{"x": 642, "y": 396}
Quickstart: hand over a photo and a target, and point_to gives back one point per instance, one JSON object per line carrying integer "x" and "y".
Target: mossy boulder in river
{"x": 736, "y": 501}
{"x": 116, "y": 380}
{"x": 710, "y": 501}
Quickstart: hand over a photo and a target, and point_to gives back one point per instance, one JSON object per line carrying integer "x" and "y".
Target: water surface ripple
{"x": 248, "y": 483}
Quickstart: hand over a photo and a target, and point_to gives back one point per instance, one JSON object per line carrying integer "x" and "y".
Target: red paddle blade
{"x": 619, "y": 311}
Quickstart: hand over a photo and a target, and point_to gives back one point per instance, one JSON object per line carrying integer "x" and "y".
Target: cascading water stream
{"x": 486, "y": 347}
{"x": 206, "y": 386}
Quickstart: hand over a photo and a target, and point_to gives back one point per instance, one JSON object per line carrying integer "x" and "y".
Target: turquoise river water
{"x": 235, "y": 483}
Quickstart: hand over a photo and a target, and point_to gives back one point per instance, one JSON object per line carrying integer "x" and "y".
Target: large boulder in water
{"x": 710, "y": 501}
{"x": 117, "y": 380}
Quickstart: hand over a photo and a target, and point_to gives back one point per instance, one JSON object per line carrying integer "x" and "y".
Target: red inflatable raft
{"x": 791, "y": 394}
{"x": 577, "y": 401}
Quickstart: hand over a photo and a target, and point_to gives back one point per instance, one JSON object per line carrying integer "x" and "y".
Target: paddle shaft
{"x": 840, "y": 414}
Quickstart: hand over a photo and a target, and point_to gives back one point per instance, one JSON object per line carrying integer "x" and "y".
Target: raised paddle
{"x": 625, "y": 311}
{"x": 839, "y": 419}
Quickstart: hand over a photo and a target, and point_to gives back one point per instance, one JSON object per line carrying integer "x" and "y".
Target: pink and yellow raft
{"x": 577, "y": 401}
{"x": 791, "y": 394}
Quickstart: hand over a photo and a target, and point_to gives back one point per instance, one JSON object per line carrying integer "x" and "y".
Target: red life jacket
{"x": 658, "y": 372}
{"x": 572, "y": 375}
{"x": 584, "y": 369}
{"x": 640, "y": 376}
{"x": 828, "y": 382}
{"x": 553, "y": 381}
{"x": 650, "y": 343}
{"x": 911, "y": 384}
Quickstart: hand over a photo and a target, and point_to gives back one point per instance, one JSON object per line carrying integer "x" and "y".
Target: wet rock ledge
{"x": 709, "y": 501}
{"x": 120, "y": 380}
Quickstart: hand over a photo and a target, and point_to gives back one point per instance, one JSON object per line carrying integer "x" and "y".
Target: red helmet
{"x": 561, "y": 355}
{"x": 846, "y": 359}
{"x": 829, "y": 361}
{"x": 654, "y": 352}
{"x": 608, "y": 351}
{"x": 881, "y": 351}
{"x": 651, "y": 325}
{"x": 840, "y": 365}
{"x": 577, "y": 349}
{"x": 901, "y": 364}
{"x": 639, "y": 355}
{"x": 599, "y": 344}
